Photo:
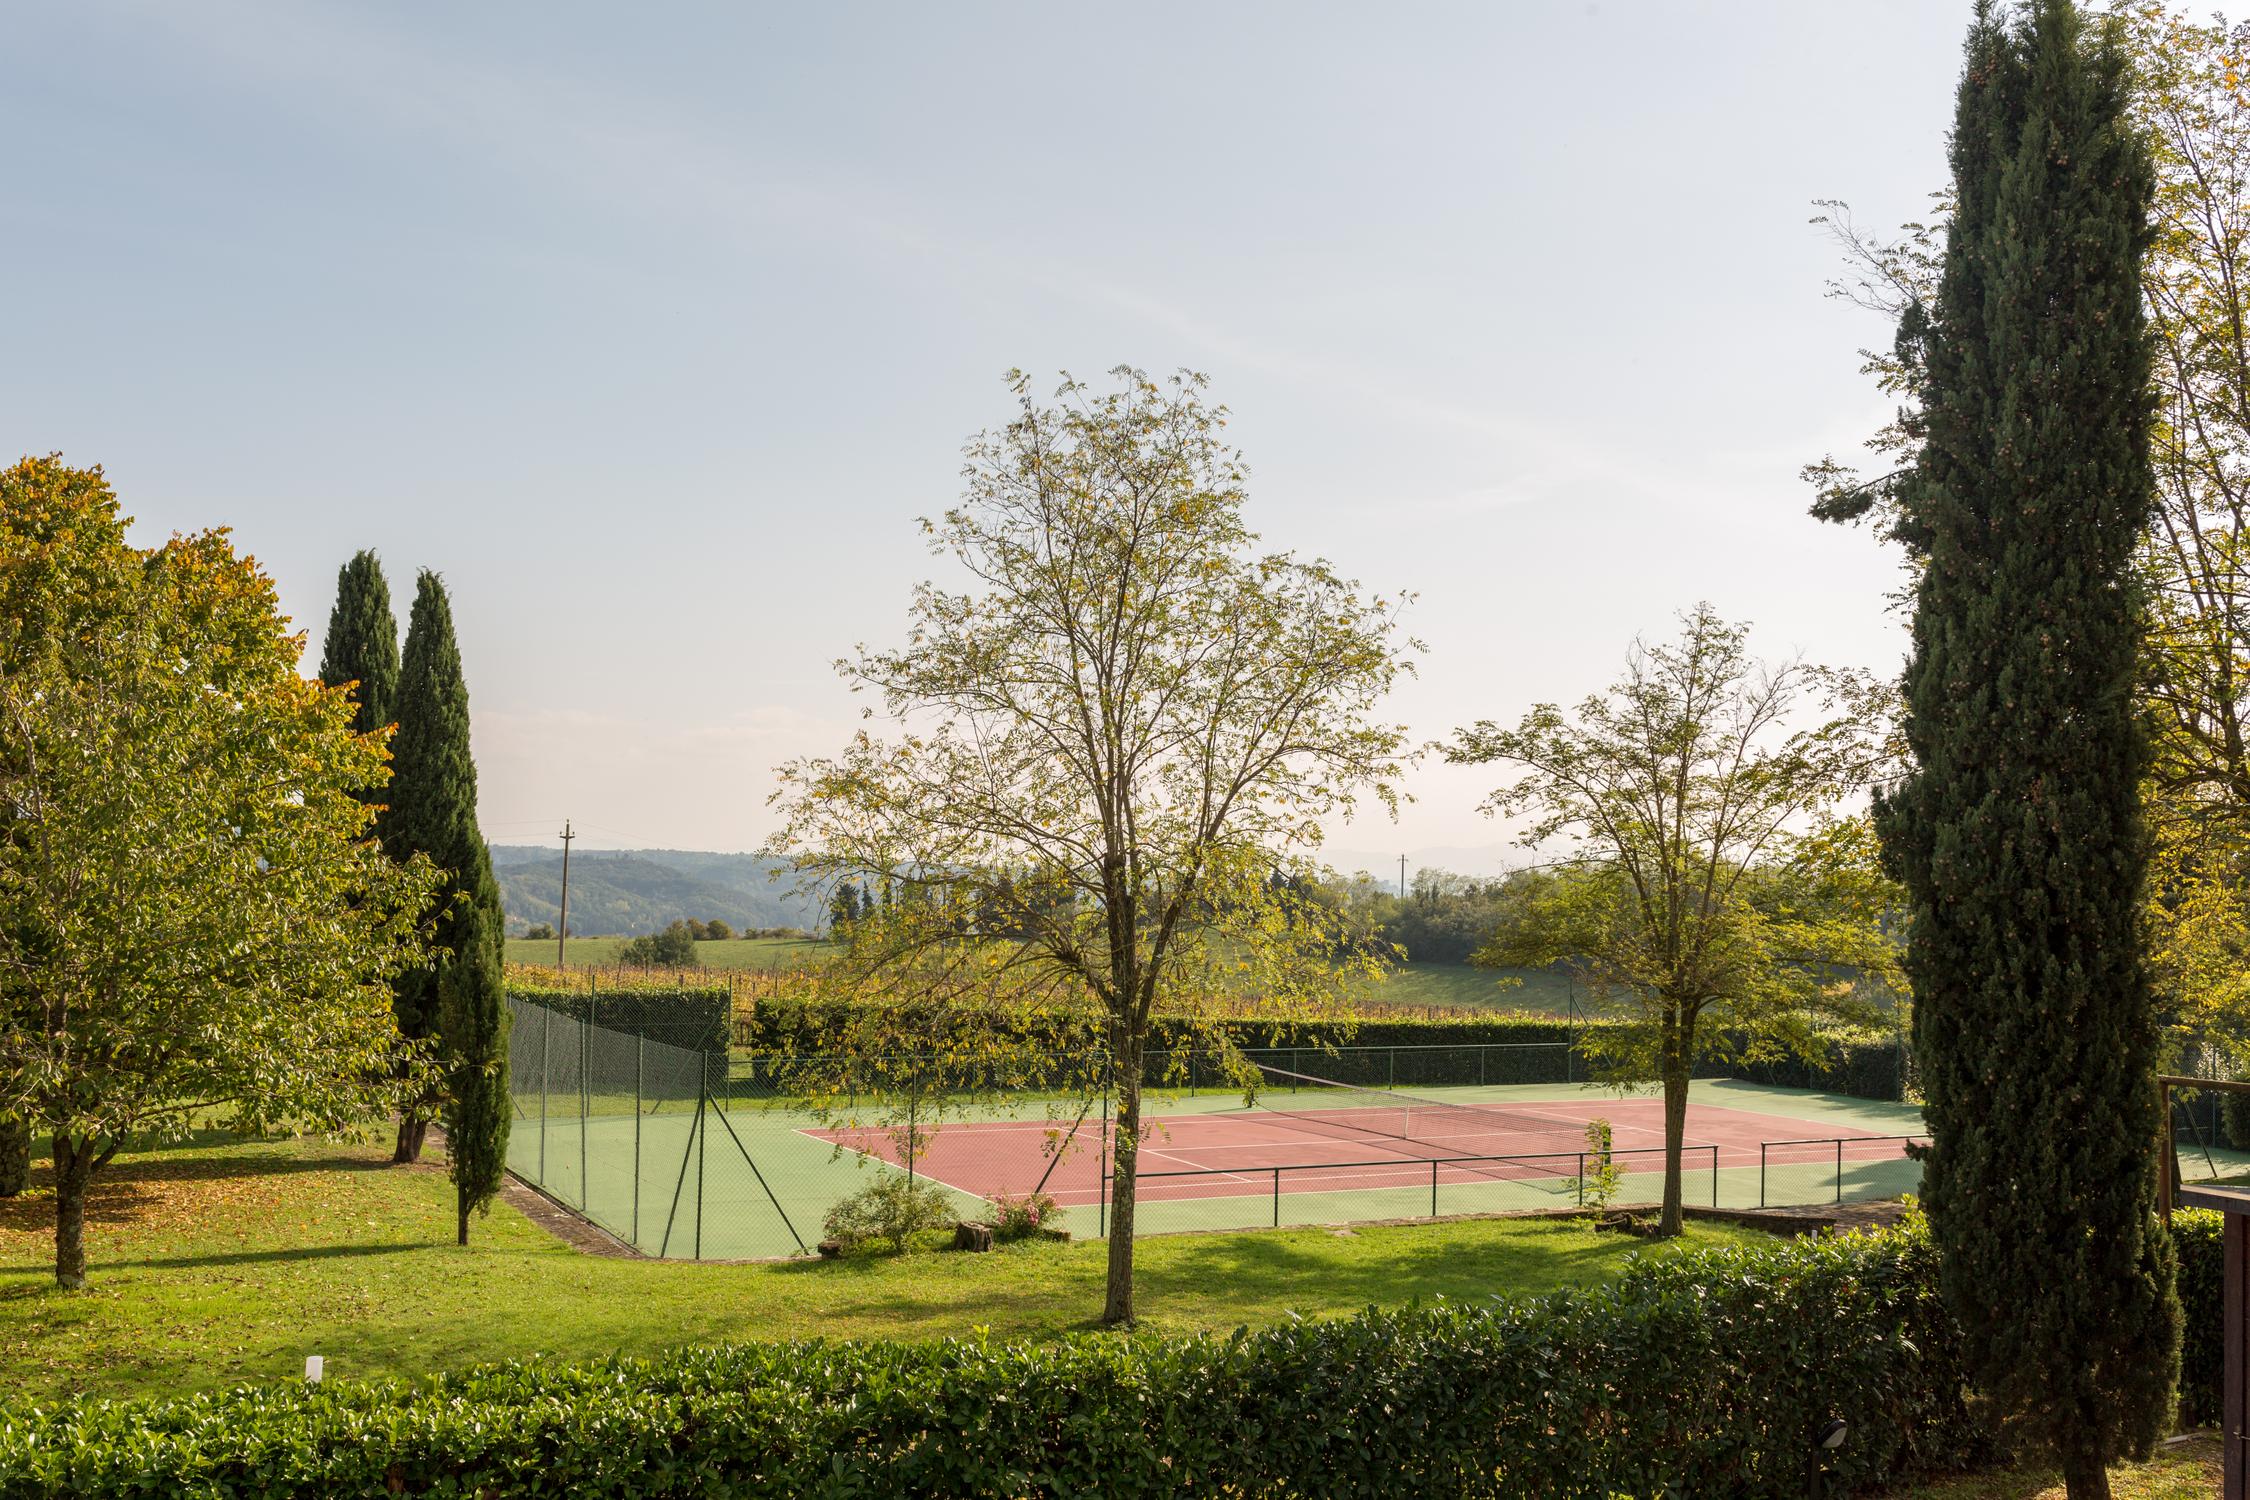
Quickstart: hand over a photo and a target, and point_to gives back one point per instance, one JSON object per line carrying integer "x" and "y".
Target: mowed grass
{"x": 1517, "y": 992}
{"x": 222, "y": 1261}
{"x": 2185, "y": 1469}
{"x": 730, "y": 953}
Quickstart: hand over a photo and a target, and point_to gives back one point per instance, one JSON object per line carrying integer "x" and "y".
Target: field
{"x": 761, "y": 954}
{"x": 1412, "y": 986}
{"x": 223, "y": 1260}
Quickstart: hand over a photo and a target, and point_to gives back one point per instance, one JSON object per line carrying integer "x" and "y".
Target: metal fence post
{"x": 1714, "y": 1177}
{"x": 1433, "y": 1189}
{"x": 585, "y": 1085}
{"x": 1581, "y": 1179}
{"x": 544, "y": 1018}
{"x": 1761, "y": 1174}
{"x": 1101, "y": 1162}
{"x": 1277, "y": 1197}
{"x": 700, "y": 1133}
{"x": 640, "y": 1054}
{"x": 1839, "y": 1169}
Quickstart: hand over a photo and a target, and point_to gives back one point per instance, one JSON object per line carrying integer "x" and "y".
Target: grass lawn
{"x": 2185, "y": 1469}
{"x": 223, "y": 1260}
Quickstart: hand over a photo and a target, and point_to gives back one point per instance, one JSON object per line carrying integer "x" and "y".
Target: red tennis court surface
{"x": 1234, "y": 1152}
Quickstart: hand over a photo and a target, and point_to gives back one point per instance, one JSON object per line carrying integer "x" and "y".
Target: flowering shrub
{"x": 1014, "y": 1218}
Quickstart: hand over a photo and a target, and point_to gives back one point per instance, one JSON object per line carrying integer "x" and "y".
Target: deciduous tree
{"x": 1705, "y": 891}
{"x": 195, "y": 919}
{"x": 1123, "y": 727}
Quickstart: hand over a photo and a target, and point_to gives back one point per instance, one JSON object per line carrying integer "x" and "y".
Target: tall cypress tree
{"x": 362, "y": 643}
{"x": 473, "y": 1027}
{"x": 433, "y": 811}
{"x": 2018, "y": 834}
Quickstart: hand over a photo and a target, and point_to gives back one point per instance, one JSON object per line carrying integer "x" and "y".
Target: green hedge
{"x": 700, "y": 1020}
{"x": 1864, "y": 1069}
{"x": 2197, "y": 1232}
{"x": 1706, "y": 1374}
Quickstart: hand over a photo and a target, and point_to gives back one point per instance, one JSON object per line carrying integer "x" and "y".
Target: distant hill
{"x": 625, "y": 892}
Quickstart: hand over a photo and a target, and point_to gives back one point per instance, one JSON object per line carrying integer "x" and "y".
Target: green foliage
{"x": 673, "y": 948}
{"x": 473, "y": 1021}
{"x": 894, "y": 1208}
{"x": 2019, "y": 834}
{"x": 1016, "y": 1216}
{"x": 1572, "y": 1395}
{"x": 540, "y": 932}
{"x": 195, "y": 918}
{"x": 1603, "y": 1176}
{"x": 2234, "y": 1117}
{"x": 433, "y": 812}
{"x": 697, "y": 1019}
{"x": 2198, "y": 1240}
{"x": 1712, "y": 871}
{"x": 1113, "y": 755}
{"x": 362, "y": 645}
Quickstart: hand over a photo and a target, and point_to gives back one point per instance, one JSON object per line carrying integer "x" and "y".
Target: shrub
{"x": 1015, "y": 1218}
{"x": 540, "y": 932}
{"x": 1603, "y": 1175}
{"x": 697, "y": 1019}
{"x": 2199, "y": 1236}
{"x": 893, "y": 1207}
{"x": 1709, "y": 1373}
{"x": 673, "y": 948}
{"x": 2234, "y": 1114}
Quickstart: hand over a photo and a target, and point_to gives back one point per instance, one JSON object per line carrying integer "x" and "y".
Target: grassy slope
{"x": 223, "y": 1261}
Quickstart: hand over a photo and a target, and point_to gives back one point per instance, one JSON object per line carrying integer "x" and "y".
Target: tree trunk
{"x": 2085, "y": 1476}
{"x": 1117, "y": 1307}
{"x": 410, "y": 1134}
{"x": 74, "y": 1165}
{"x": 15, "y": 1156}
{"x": 461, "y": 1204}
{"x": 1675, "y": 1070}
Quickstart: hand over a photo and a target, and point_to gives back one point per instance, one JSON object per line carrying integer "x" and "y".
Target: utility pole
{"x": 1402, "y": 877}
{"x": 562, "y": 915}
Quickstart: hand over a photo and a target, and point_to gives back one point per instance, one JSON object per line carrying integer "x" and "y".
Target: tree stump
{"x": 967, "y": 1236}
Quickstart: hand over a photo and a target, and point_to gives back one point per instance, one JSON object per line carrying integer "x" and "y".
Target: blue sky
{"x": 653, "y": 328}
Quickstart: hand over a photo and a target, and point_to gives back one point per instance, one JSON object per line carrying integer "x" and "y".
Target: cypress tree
{"x": 2018, "y": 834}
{"x": 433, "y": 811}
{"x": 473, "y": 1023}
{"x": 362, "y": 643}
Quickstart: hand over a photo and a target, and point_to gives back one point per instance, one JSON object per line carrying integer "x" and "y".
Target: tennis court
{"x": 681, "y": 1154}
{"x": 1323, "y": 1154}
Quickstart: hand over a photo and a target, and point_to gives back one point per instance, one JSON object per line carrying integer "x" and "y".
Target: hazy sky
{"x": 653, "y": 328}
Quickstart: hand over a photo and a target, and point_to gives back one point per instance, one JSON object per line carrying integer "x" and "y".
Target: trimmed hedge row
{"x": 2198, "y": 1234}
{"x": 1704, "y": 1374}
{"x": 700, "y": 1020}
{"x": 1863, "y": 1069}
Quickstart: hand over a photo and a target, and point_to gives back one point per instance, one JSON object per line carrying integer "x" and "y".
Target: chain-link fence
{"x": 688, "y": 1153}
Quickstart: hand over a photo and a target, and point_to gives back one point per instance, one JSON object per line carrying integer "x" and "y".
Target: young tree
{"x": 1705, "y": 882}
{"x": 843, "y": 911}
{"x": 433, "y": 812}
{"x": 1133, "y": 717}
{"x": 473, "y": 1020}
{"x": 2019, "y": 833}
{"x": 673, "y": 948}
{"x": 194, "y": 915}
{"x": 362, "y": 645}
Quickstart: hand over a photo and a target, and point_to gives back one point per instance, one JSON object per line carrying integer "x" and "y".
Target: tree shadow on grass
{"x": 124, "y": 1191}
{"x": 39, "y": 1288}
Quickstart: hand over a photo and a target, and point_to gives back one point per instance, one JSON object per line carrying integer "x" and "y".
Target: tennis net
{"x": 1326, "y": 1106}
